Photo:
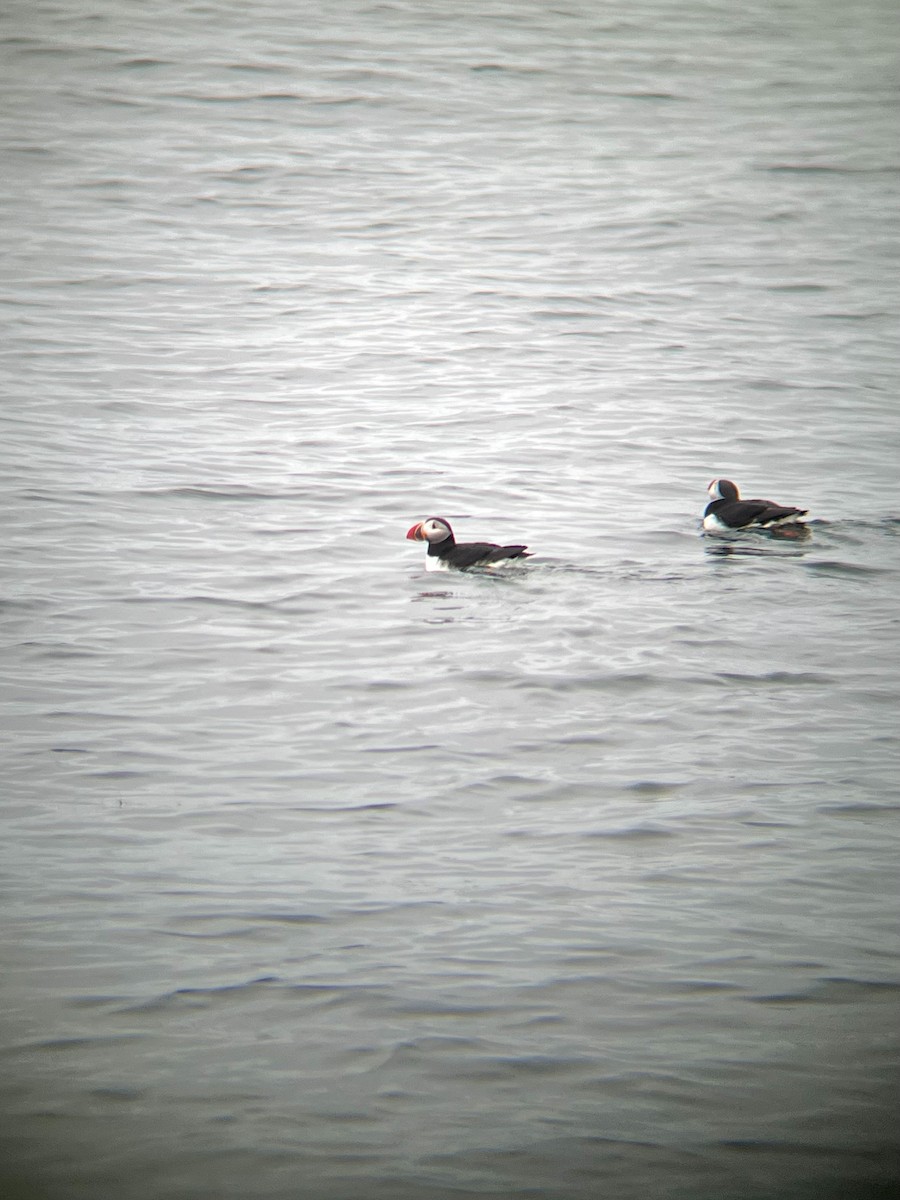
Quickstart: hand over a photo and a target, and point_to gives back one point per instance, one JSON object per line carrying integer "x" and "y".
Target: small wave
{"x": 794, "y": 678}
{"x": 42, "y": 49}
{"x": 69, "y": 714}
{"x": 875, "y": 315}
{"x": 656, "y": 97}
{"x": 301, "y": 918}
{"x": 79, "y": 1043}
{"x": 624, "y": 681}
{"x": 121, "y": 1094}
{"x": 828, "y": 169}
{"x": 505, "y": 68}
{"x": 343, "y": 101}
{"x": 375, "y": 806}
{"x": 652, "y": 787}
{"x": 700, "y": 986}
{"x": 232, "y": 492}
{"x": 441, "y": 1008}
{"x": 138, "y": 64}
{"x": 632, "y": 833}
{"x": 799, "y": 287}
{"x": 59, "y": 652}
{"x": 214, "y": 601}
{"x": 836, "y": 567}
{"x": 836, "y": 991}
{"x": 199, "y": 996}
{"x": 213, "y": 935}
{"x": 121, "y": 774}
{"x": 861, "y": 808}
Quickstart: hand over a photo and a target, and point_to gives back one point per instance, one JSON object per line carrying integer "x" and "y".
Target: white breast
{"x": 712, "y": 524}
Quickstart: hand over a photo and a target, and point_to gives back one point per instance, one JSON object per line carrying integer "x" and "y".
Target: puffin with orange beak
{"x": 445, "y": 552}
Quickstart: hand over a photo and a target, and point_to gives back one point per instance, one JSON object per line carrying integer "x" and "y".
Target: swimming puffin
{"x": 727, "y": 512}
{"x": 444, "y": 551}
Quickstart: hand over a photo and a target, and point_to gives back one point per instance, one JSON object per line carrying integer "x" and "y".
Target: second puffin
{"x": 444, "y": 551}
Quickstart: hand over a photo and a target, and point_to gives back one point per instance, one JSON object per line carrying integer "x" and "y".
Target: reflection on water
{"x": 750, "y": 545}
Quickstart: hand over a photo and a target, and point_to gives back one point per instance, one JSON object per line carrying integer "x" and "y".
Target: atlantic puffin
{"x": 727, "y": 512}
{"x": 444, "y": 551}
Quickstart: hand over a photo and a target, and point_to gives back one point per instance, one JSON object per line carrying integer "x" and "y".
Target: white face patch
{"x": 713, "y": 490}
{"x": 435, "y": 531}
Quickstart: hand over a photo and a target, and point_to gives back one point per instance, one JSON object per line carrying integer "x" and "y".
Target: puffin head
{"x": 722, "y": 489}
{"x": 432, "y": 529}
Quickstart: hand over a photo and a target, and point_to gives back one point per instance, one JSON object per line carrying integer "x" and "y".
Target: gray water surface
{"x": 329, "y": 879}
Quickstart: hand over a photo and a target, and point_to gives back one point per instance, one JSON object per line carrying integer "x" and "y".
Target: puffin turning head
{"x": 727, "y": 512}
{"x": 722, "y": 489}
{"x": 433, "y": 530}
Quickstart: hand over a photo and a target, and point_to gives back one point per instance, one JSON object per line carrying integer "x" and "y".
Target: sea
{"x": 325, "y": 877}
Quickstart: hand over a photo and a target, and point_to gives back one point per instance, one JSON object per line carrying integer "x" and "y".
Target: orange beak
{"x": 415, "y": 534}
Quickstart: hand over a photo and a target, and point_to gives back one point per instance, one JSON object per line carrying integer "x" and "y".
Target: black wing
{"x": 775, "y": 512}
{"x": 472, "y": 554}
{"x": 739, "y": 513}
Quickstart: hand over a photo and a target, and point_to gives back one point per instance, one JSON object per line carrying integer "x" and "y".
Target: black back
{"x": 738, "y": 513}
{"x": 471, "y": 554}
